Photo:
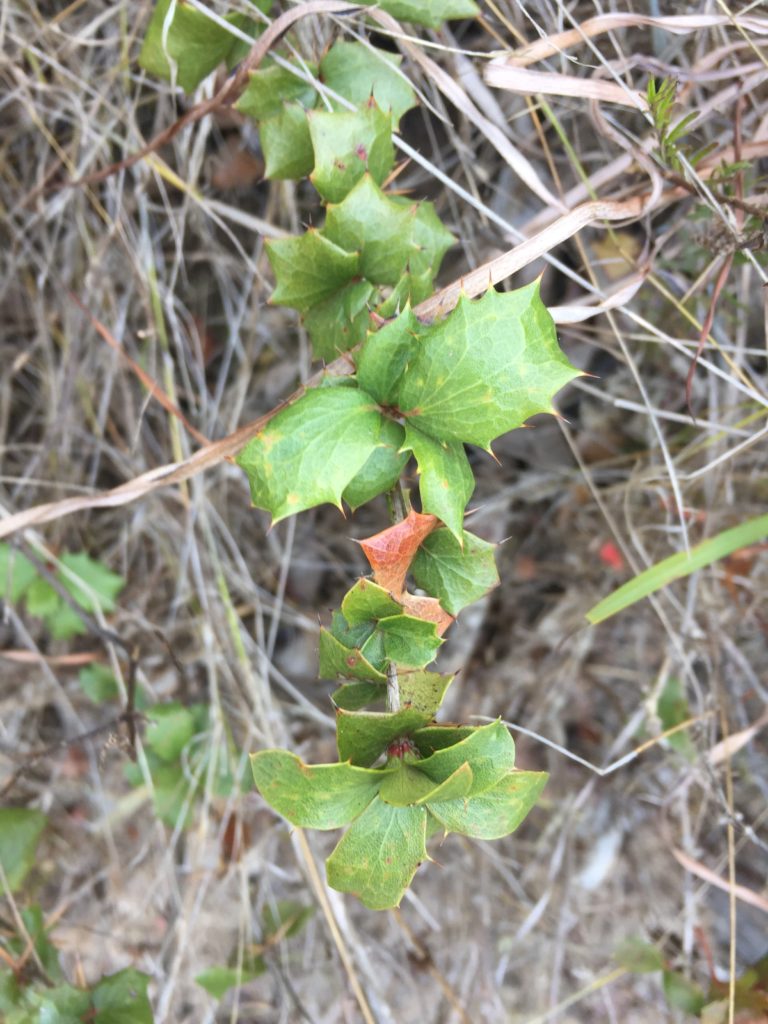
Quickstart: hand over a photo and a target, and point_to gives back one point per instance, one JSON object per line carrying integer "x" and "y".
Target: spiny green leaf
{"x": 340, "y": 662}
{"x": 349, "y": 634}
{"x": 287, "y": 145}
{"x": 446, "y": 481}
{"x": 409, "y": 641}
{"x": 346, "y": 145}
{"x": 431, "y": 13}
{"x": 362, "y": 736}
{"x": 494, "y": 813}
{"x": 358, "y": 72}
{"x": 322, "y": 796}
{"x": 383, "y": 468}
{"x": 194, "y": 43}
{"x": 355, "y": 696}
{"x": 423, "y": 691}
{"x": 369, "y": 223}
{"x": 485, "y": 369}
{"x": 379, "y": 855}
{"x": 382, "y": 360}
{"x": 431, "y": 241}
{"x": 455, "y": 575}
{"x": 309, "y": 269}
{"x": 409, "y": 291}
{"x": 456, "y": 787}
{"x": 678, "y": 566}
{"x": 365, "y": 601}
{"x": 341, "y": 321}
{"x": 217, "y": 981}
{"x": 438, "y": 737}
{"x": 405, "y": 785}
{"x": 270, "y": 88}
{"x": 20, "y": 831}
{"x": 489, "y": 751}
{"x": 308, "y": 454}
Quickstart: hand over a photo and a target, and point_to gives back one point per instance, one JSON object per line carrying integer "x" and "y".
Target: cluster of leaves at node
{"x": 33, "y": 987}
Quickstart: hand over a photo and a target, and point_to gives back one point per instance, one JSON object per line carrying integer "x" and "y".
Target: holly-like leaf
{"x": 341, "y": 321}
{"x": 457, "y": 575}
{"x": 20, "y": 831}
{"x": 309, "y": 269}
{"x": 409, "y": 641}
{"x": 346, "y": 145}
{"x": 431, "y": 13}
{"x": 358, "y": 72}
{"x": 428, "y": 608}
{"x": 382, "y": 360}
{"x": 409, "y": 291}
{"x": 456, "y": 787}
{"x": 194, "y": 43}
{"x": 485, "y": 369}
{"x": 309, "y": 452}
{"x": 269, "y": 88}
{"x": 494, "y": 813}
{"x": 423, "y": 691}
{"x": 431, "y": 240}
{"x": 370, "y": 223}
{"x": 391, "y": 552}
{"x": 405, "y": 785}
{"x": 489, "y": 751}
{"x": 446, "y": 481}
{"x": 340, "y": 662}
{"x": 355, "y": 696}
{"x": 367, "y": 600}
{"x": 322, "y": 796}
{"x": 287, "y": 145}
{"x": 362, "y": 736}
{"x": 383, "y": 468}
{"x": 379, "y": 855}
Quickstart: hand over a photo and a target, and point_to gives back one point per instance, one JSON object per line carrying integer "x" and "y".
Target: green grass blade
{"x": 678, "y": 566}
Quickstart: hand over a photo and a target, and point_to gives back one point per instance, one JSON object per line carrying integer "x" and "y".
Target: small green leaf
{"x": 358, "y": 72}
{"x": 446, "y": 481}
{"x": 431, "y": 13}
{"x": 287, "y": 145}
{"x": 422, "y": 691}
{"x": 16, "y": 573}
{"x": 308, "y": 454}
{"x": 409, "y": 291}
{"x": 409, "y": 641}
{"x": 20, "y": 831}
{"x": 270, "y": 88}
{"x": 362, "y": 736}
{"x": 405, "y": 785}
{"x": 341, "y": 321}
{"x": 346, "y": 145}
{"x": 494, "y": 813}
{"x": 63, "y": 1004}
{"x": 370, "y": 223}
{"x": 679, "y": 566}
{"x": 682, "y": 994}
{"x": 320, "y": 796}
{"x": 42, "y": 600}
{"x": 673, "y": 709}
{"x": 384, "y": 356}
{"x": 379, "y": 855}
{"x": 455, "y": 575}
{"x": 98, "y": 683}
{"x": 639, "y": 957}
{"x": 103, "y": 585}
{"x": 288, "y": 917}
{"x": 217, "y": 981}
{"x": 383, "y": 468}
{"x": 365, "y": 601}
{"x": 340, "y": 662}
{"x": 485, "y": 369}
{"x": 173, "y": 726}
{"x": 309, "y": 269}
{"x": 489, "y": 751}
{"x": 354, "y": 696}
{"x": 455, "y": 788}
{"x": 194, "y": 43}
{"x": 122, "y": 998}
{"x": 438, "y": 737}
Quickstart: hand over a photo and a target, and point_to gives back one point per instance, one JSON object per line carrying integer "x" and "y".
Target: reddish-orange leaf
{"x": 428, "y": 608}
{"x": 391, "y": 551}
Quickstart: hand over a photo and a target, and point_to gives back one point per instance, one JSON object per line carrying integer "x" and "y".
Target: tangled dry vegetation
{"x": 135, "y": 327}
